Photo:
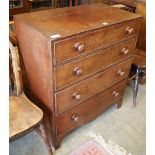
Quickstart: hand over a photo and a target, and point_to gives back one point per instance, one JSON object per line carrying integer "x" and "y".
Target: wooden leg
{"x": 10, "y": 85}
{"x": 57, "y": 143}
{"x": 119, "y": 103}
{"x": 45, "y": 138}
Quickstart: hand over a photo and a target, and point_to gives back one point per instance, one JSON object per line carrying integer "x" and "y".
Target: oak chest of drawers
{"x": 77, "y": 61}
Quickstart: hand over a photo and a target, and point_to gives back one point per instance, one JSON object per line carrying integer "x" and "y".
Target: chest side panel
{"x": 36, "y": 53}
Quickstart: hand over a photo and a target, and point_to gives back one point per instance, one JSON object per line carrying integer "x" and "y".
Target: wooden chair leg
{"x": 135, "y": 88}
{"x": 45, "y": 138}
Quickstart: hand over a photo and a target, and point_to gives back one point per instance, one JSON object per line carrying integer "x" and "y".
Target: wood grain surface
{"x": 60, "y": 40}
{"x": 23, "y": 115}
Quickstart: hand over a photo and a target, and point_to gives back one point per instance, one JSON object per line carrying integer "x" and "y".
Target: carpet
{"x": 98, "y": 146}
{"x": 90, "y": 148}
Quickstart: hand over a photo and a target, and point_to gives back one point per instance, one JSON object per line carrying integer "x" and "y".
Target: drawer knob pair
{"x": 76, "y": 96}
{"x": 75, "y": 118}
{"x": 77, "y": 71}
{"x": 120, "y": 72}
{"x": 79, "y": 47}
{"x": 115, "y": 93}
{"x": 129, "y": 30}
{"x": 124, "y": 51}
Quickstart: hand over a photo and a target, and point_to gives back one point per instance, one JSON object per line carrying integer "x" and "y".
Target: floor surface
{"x": 124, "y": 127}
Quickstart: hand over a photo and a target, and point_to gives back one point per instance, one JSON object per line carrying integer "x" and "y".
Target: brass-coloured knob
{"x": 115, "y": 93}
{"x": 124, "y": 51}
{"x": 79, "y": 47}
{"x": 120, "y": 72}
{"x": 129, "y": 30}
{"x": 75, "y": 118}
{"x": 76, "y": 96}
{"x": 77, "y": 71}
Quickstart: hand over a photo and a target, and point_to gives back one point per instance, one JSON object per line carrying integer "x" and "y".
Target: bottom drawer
{"x": 89, "y": 109}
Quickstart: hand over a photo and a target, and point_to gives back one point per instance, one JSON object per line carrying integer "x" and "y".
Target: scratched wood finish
{"x": 93, "y": 40}
{"x": 67, "y": 74}
{"x": 87, "y": 88}
{"x": 75, "y": 20}
{"x": 79, "y": 115}
{"x": 48, "y": 45}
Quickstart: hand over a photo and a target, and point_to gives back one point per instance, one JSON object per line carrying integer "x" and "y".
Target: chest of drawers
{"x": 77, "y": 62}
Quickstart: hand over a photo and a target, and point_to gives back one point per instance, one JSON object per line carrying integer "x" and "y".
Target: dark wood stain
{"x": 86, "y": 63}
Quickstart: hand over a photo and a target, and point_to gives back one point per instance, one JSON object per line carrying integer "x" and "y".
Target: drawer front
{"x": 75, "y": 46}
{"x": 79, "y": 92}
{"x": 89, "y": 109}
{"x": 79, "y": 69}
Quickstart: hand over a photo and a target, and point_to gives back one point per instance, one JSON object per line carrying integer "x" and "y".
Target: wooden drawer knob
{"x": 124, "y": 51}
{"x": 120, "y": 72}
{"x": 79, "y": 47}
{"x": 77, "y": 71}
{"x": 115, "y": 93}
{"x": 75, "y": 118}
{"x": 129, "y": 30}
{"x": 76, "y": 96}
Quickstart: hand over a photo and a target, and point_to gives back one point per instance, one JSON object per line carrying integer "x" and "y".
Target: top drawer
{"x": 75, "y": 46}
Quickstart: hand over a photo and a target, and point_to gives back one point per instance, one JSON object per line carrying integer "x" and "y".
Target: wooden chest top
{"x": 69, "y": 21}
